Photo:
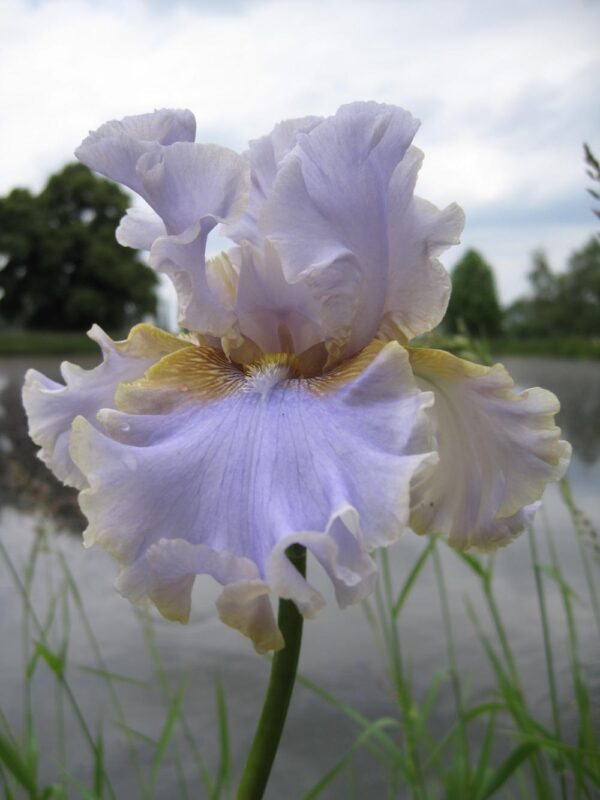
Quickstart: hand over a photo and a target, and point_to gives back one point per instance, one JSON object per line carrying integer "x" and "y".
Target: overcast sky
{"x": 506, "y": 91}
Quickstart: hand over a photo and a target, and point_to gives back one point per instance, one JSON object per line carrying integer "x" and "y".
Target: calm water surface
{"x": 339, "y": 652}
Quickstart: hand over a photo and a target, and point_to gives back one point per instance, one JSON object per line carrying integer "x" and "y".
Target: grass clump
{"x": 494, "y": 742}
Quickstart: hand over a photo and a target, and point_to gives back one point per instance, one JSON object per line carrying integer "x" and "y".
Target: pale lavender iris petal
{"x": 188, "y": 182}
{"x": 272, "y": 312}
{"x": 498, "y": 449}
{"x": 192, "y": 187}
{"x": 418, "y": 286}
{"x": 183, "y": 259}
{"x": 242, "y": 476}
{"x": 115, "y": 148}
{"x": 330, "y": 202}
{"x": 139, "y": 228}
{"x": 265, "y": 156}
{"x": 51, "y": 407}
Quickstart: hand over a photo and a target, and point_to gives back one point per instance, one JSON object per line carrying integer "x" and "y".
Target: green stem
{"x": 279, "y": 692}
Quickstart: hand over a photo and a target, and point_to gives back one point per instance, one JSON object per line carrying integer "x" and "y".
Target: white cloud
{"x": 506, "y": 90}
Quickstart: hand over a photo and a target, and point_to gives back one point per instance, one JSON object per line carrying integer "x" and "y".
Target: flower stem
{"x": 279, "y": 692}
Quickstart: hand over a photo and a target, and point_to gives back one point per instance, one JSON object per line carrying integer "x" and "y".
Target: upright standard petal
{"x": 115, "y": 148}
{"x": 276, "y": 315}
{"x": 329, "y": 207}
{"x": 498, "y": 449}
{"x": 192, "y": 187}
{"x": 210, "y": 469}
{"x": 264, "y": 156}
{"x": 51, "y": 407}
{"x": 186, "y": 183}
{"x": 418, "y": 287}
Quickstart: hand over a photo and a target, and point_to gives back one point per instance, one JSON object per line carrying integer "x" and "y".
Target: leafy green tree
{"x": 60, "y": 265}
{"x": 474, "y": 301}
{"x": 560, "y": 304}
{"x": 580, "y": 298}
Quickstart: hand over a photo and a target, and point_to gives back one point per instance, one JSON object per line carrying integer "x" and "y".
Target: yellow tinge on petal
{"x": 145, "y": 341}
{"x": 440, "y": 364}
{"x": 223, "y": 278}
{"x": 498, "y": 449}
{"x": 348, "y": 371}
{"x": 204, "y": 374}
{"x": 195, "y": 373}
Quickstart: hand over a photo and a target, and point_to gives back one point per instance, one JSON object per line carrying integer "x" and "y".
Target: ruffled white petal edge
{"x": 51, "y": 407}
{"x": 165, "y": 575}
{"x": 498, "y": 449}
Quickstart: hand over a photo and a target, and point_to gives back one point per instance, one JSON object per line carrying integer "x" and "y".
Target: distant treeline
{"x": 559, "y": 306}
{"x": 561, "y": 313}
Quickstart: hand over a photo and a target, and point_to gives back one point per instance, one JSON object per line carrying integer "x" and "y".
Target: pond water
{"x": 338, "y": 653}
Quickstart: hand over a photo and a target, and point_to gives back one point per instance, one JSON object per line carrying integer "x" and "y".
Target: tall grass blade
{"x": 167, "y": 731}
{"x": 388, "y": 744}
{"x": 359, "y": 742}
{"x": 99, "y": 766}
{"x": 17, "y": 766}
{"x": 585, "y": 535}
{"x": 412, "y": 576}
{"x": 223, "y": 772}
{"x": 506, "y": 769}
{"x": 113, "y": 676}
{"x": 56, "y": 662}
{"x": 149, "y": 638}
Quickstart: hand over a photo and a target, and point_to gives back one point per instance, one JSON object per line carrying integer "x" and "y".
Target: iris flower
{"x": 295, "y": 411}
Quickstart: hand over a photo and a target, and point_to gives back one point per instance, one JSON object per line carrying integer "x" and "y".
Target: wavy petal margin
{"x": 115, "y": 148}
{"x": 498, "y": 449}
{"x": 192, "y": 188}
{"x": 51, "y": 407}
{"x": 265, "y": 156}
{"x": 343, "y": 216}
{"x": 189, "y": 187}
{"x": 209, "y": 469}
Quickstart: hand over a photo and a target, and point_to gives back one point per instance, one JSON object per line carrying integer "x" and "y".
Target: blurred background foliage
{"x": 61, "y": 266}
{"x": 558, "y": 303}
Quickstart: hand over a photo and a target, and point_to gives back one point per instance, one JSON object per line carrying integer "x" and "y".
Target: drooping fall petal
{"x": 210, "y": 469}
{"x": 51, "y": 407}
{"x": 498, "y": 449}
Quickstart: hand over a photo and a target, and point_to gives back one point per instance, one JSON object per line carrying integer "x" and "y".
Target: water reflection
{"x": 577, "y": 386}
{"x": 25, "y": 482}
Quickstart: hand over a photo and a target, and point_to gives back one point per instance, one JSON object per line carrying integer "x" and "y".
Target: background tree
{"x": 474, "y": 300}
{"x": 60, "y": 265}
{"x": 581, "y": 294}
{"x": 560, "y": 304}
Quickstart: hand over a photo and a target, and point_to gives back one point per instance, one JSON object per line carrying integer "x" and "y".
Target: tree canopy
{"x": 561, "y": 303}
{"x": 60, "y": 265}
{"x": 474, "y": 301}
